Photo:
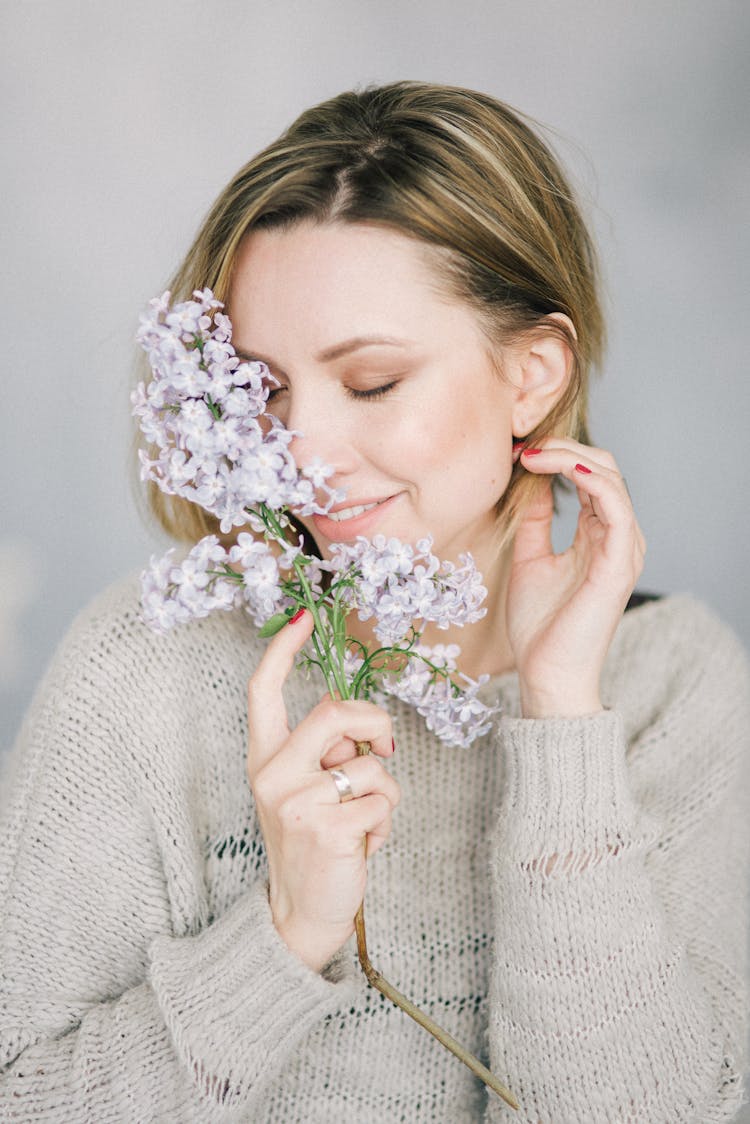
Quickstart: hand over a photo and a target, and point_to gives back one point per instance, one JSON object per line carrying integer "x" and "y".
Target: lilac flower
{"x": 317, "y": 472}
{"x": 455, "y": 716}
{"x": 174, "y": 594}
{"x": 205, "y": 403}
{"x": 261, "y": 590}
{"x": 400, "y": 584}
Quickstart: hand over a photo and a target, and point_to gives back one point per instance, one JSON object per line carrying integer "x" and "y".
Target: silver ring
{"x": 343, "y": 786}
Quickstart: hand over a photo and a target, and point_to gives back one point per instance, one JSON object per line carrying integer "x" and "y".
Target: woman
{"x": 566, "y": 896}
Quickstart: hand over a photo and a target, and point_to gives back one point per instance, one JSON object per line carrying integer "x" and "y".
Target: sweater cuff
{"x": 237, "y": 1001}
{"x": 566, "y": 786}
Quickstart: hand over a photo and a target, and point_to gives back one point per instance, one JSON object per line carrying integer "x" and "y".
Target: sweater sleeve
{"x": 111, "y": 1007}
{"x": 619, "y": 882}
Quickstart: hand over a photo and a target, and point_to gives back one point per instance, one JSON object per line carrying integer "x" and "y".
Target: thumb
{"x": 267, "y": 723}
{"x": 533, "y": 538}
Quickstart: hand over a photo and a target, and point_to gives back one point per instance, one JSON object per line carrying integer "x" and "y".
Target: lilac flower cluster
{"x": 248, "y": 575}
{"x": 397, "y": 584}
{"x": 201, "y": 409}
{"x": 175, "y": 593}
{"x": 455, "y": 716}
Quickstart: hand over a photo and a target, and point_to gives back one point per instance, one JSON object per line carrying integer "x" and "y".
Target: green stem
{"x": 319, "y": 636}
{"x": 334, "y": 675}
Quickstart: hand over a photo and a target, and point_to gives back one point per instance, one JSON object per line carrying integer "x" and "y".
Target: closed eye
{"x": 372, "y": 392}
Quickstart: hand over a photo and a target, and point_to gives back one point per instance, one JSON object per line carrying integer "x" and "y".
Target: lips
{"x": 347, "y": 521}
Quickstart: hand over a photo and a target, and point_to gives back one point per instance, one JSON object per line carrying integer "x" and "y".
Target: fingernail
{"x": 582, "y": 468}
{"x": 530, "y": 452}
{"x": 393, "y": 745}
{"x": 296, "y": 616}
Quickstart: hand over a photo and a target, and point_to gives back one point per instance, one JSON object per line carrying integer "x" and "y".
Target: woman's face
{"x": 419, "y": 429}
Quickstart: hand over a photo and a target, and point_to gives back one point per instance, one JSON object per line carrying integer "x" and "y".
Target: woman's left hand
{"x": 563, "y": 609}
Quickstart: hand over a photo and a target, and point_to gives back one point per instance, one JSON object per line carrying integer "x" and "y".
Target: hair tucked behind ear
{"x": 454, "y": 169}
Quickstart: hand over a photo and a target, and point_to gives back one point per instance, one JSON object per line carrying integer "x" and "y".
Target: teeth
{"x": 350, "y": 512}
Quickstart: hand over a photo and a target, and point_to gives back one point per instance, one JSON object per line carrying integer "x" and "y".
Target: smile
{"x": 352, "y": 512}
{"x": 345, "y": 524}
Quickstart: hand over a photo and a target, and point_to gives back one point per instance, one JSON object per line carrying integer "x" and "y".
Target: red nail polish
{"x": 296, "y": 616}
{"x": 393, "y": 745}
{"x": 582, "y": 468}
{"x": 530, "y": 452}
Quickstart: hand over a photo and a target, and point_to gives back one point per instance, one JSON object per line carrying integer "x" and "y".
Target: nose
{"x": 324, "y": 433}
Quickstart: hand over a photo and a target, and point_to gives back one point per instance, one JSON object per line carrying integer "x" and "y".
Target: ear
{"x": 539, "y": 368}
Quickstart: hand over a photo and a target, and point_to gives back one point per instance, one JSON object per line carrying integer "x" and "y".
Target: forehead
{"x": 326, "y": 280}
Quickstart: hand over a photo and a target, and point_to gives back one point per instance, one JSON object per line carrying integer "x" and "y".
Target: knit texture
{"x": 567, "y": 897}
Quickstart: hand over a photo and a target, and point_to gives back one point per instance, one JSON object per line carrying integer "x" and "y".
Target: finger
{"x": 379, "y": 834}
{"x": 594, "y": 484}
{"x": 585, "y": 501}
{"x": 620, "y": 546}
{"x": 326, "y": 726}
{"x": 605, "y": 498}
{"x": 602, "y": 493}
{"x": 366, "y": 775}
{"x": 553, "y": 459}
{"x": 598, "y": 489}
{"x": 601, "y": 457}
{"x": 369, "y": 814}
{"x": 534, "y": 535}
{"x": 266, "y": 713}
{"x": 342, "y": 751}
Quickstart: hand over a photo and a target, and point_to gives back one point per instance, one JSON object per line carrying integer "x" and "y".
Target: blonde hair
{"x": 461, "y": 173}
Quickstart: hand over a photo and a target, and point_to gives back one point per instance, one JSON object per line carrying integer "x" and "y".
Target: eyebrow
{"x": 338, "y": 350}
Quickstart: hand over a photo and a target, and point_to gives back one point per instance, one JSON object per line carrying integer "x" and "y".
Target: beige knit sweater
{"x": 141, "y": 977}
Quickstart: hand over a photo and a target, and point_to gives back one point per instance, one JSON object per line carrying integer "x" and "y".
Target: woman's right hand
{"x": 315, "y": 843}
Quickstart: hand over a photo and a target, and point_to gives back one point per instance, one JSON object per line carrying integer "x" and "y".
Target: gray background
{"x": 120, "y": 124}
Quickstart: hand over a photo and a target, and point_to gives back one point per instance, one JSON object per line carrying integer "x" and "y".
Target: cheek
{"x": 471, "y": 457}
{"x": 459, "y": 438}
{"x": 438, "y": 435}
